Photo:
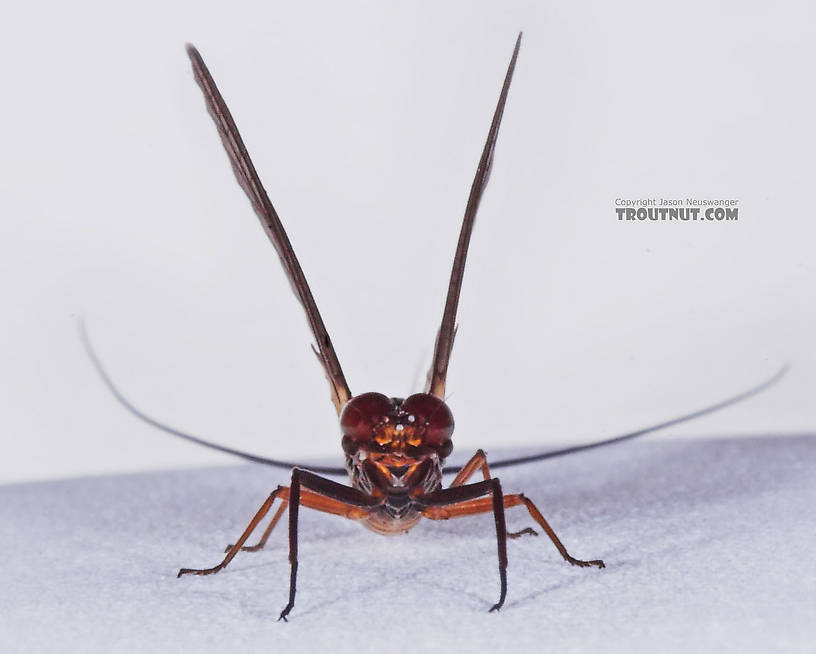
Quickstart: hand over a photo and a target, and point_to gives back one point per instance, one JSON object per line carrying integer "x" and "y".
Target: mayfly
{"x": 395, "y": 448}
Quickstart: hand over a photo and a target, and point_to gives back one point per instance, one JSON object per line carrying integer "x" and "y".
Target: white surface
{"x": 708, "y": 546}
{"x": 366, "y": 120}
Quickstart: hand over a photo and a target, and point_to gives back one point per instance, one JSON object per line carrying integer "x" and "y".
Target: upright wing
{"x": 251, "y": 183}
{"x": 438, "y": 373}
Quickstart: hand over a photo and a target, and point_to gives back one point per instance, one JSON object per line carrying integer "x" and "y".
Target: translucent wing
{"x": 251, "y": 183}
{"x": 438, "y": 373}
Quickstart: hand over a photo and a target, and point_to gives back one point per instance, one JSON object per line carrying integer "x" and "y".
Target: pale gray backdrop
{"x": 366, "y": 121}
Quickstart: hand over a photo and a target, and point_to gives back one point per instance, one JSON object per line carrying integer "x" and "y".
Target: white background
{"x": 366, "y": 121}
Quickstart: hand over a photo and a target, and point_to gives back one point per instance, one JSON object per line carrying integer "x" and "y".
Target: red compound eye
{"x": 431, "y": 413}
{"x": 362, "y": 413}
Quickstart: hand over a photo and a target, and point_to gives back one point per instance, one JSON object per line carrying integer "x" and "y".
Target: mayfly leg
{"x": 520, "y": 498}
{"x": 448, "y": 498}
{"x": 479, "y": 462}
{"x": 265, "y": 537}
{"x": 309, "y": 490}
{"x": 234, "y": 549}
{"x": 477, "y": 506}
{"x": 321, "y": 494}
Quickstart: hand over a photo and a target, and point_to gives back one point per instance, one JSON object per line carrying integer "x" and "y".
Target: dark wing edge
{"x": 437, "y": 375}
{"x": 552, "y": 454}
{"x": 248, "y": 179}
{"x": 288, "y": 465}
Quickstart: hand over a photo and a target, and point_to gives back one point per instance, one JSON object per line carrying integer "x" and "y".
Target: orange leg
{"x": 484, "y": 505}
{"x": 479, "y": 462}
{"x": 236, "y": 548}
{"x": 307, "y": 498}
{"x": 261, "y": 543}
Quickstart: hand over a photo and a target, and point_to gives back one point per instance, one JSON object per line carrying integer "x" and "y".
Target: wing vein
{"x": 250, "y": 182}
{"x": 444, "y": 341}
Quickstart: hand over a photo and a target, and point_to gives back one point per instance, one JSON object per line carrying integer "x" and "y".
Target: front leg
{"x": 325, "y": 495}
{"x": 309, "y": 490}
{"x": 450, "y": 498}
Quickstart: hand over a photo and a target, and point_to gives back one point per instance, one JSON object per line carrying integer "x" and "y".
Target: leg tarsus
{"x": 501, "y": 537}
{"x": 286, "y": 609}
{"x": 246, "y": 548}
{"x": 503, "y": 593}
{"x": 205, "y": 571}
{"x": 539, "y": 518}
{"x": 527, "y": 531}
{"x": 232, "y": 551}
{"x": 584, "y": 564}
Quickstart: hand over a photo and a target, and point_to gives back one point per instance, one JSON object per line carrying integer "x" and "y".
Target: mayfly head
{"x": 417, "y": 426}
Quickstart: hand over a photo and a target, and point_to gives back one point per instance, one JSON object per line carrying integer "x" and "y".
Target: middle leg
{"x": 479, "y": 462}
{"x": 483, "y": 505}
{"x": 265, "y": 537}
